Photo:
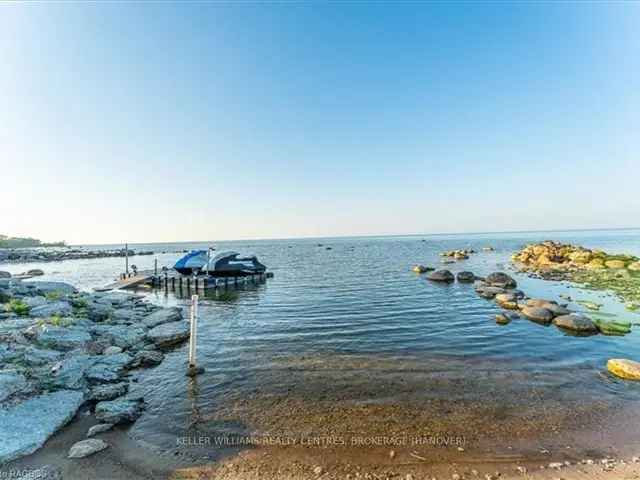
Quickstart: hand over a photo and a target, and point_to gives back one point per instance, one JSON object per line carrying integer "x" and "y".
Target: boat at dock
{"x": 224, "y": 264}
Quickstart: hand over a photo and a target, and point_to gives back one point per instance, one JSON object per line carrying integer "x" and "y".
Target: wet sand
{"x": 372, "y": 417}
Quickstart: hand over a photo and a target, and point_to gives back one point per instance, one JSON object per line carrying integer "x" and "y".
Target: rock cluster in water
{"x": 24, "y": 255}
{"x": 595, "y": 269}
{"x": 61, "y": 349}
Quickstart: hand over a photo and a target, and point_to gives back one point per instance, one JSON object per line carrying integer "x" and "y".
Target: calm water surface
{"x": 360, "y": 299}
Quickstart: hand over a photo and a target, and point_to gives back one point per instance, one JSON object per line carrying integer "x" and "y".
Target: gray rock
{"x": 99, "y": 428}
{"x": 48, "y": 287}
{"x": 62, "y": 338}
{"x": 84, "y": 448}
{"x": 164, "y": 315}
{"x": 441, "y": 276}
{"x": 169, "y": 334}
{"x": 98, "y": 312}
{"x": 33, "y": 356}
{"x": 119, "y": 411}
{"x": 147, "y": 358}
{"x": 465, "y": 277}
{"x": 489, "y": 292}
{"x": 70, "y": 373}
{"x": 35, "y": 272}
{"x": 537, "y": 314}
{"x": 119, "y": 335}
{"x": 507, "y": 300}
{"x": 15, "y": 325}
{"x": 25, "y": 427}
{"x": 4, "y": 274}
{"x": 108, "y": 368}
{"x": 500, "y": 279}
{"x": 108, "y": 391}
{"x": 11, "y": 383}
{"x": 60, "y": 308}
{"x": 36, "y": 301}
{"x": 575, "y": 322}
{"x": 112, "y": 350}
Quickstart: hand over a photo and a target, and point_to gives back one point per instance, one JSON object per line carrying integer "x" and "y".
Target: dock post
{"x": 126, "y": 258}
{"x": 192, "y": 368}
{"x": 155, "y": 267}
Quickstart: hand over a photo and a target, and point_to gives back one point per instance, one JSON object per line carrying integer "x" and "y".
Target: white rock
{"x": 88, "y": 447}
{"x": 100, "y": 428}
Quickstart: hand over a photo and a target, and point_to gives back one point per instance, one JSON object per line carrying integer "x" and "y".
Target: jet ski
{"x": 224, "y": 264}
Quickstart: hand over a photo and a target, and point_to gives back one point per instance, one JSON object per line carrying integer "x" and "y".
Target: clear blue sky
{"x": 189, "y": 121}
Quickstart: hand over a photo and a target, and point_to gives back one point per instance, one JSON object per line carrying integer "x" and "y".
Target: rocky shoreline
{"x": 594, "y": 269}
{"x": 28, "y": 255}
{"x": 61, "y": 349}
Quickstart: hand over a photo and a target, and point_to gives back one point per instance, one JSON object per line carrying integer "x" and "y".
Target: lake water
{"x": 354, "y": 325}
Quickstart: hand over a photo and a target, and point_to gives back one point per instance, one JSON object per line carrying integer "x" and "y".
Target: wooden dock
{"x": 171, "y": 280}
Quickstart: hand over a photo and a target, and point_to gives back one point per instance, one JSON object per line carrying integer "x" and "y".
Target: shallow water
{"x": 355, "y": 324}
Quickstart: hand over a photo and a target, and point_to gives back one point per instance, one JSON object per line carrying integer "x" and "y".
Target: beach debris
{"x": 556, "y": 465}
{"x": 84, "y": 448}
{"x": 99, "y": 428}
{"x": 465, "y": 277}
{"x": 419, "y": 457}
{"x": 392, "y": 453}
{"x": 441, "y": 276}
{"x": 317, "y": 470}
{"x": 624, "y": 368}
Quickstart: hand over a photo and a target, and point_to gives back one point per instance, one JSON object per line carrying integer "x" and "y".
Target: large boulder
{"x": 108, "y": 368}
{"x": 120, "y": 335}
{"x": 537, "y": 314}
{"x": 441, "y": 276}
{"x": 161, "y": 316}
{"x": 575, "y": 322}
{"x": 620, "y": 367}
{"x": 119, "y": 411}
{"x": 84, "y": 448}
{"x": 60, "y": 308}
{"x": 465, "y": 277}
{"x": 500, "y": 279}
{"x": 62, "y": 338}
{"x": 4, "y": 274}
{"x": 25, "y": 427}
{"x": 507, "y": 300}
{"x": 169, "y": 334}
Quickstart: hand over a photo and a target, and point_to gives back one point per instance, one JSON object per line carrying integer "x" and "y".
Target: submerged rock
{"x": 119, "y": 411}
{"x": 465, "y": 277}
{"x": 507, "y": 300}
{"x": 575, "y": 322}
{"x": 441, "y": 276}
{"x": 169, "y": 334}
{"x": 84, "y": 448}
{"x": 147, "y": 358}
{"x": 537, "y": 314}
{"x": 422, "y": 269}
{"x": 623, "y": 368}
{"x": 25, "y": 427}
{"x": 489, "y": 292}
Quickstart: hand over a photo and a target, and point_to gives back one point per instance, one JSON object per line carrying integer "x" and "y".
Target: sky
{"x": 177, "y": 121}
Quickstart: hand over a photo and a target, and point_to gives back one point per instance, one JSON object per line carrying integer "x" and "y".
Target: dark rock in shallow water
{"x": 575, "y": 322}
{"x": 119, "y": 335}
{"x": 147, "y": 358}
{"x": 169, "y": 334}
{"x": 25, "y": 427}
{"x": 465, "y": 277}
{"x": 489, "y": 292}
{"x": 441, "y": 276}
{"x": 505, "y": 318}
{"x": 119, "y": 411}
{"x": 35, "y": 272}
{"x": 500, "y": 279}
{"x": 99, "y": 428}
{"x": 537, "y": 314}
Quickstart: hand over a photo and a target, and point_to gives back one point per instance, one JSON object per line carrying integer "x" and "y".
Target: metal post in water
{"x": 192, "y": 368}
{"x": 155, "y": 267}
{"x": 126, "y": 258}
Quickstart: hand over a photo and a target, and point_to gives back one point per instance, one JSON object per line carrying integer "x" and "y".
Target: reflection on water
{"x": 353, "y": 325}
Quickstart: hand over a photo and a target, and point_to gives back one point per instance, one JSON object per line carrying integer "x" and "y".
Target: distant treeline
{"x": 19, "y": 242}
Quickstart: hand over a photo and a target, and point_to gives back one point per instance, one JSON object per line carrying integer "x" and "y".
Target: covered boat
{"x": 224, "y": 264}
